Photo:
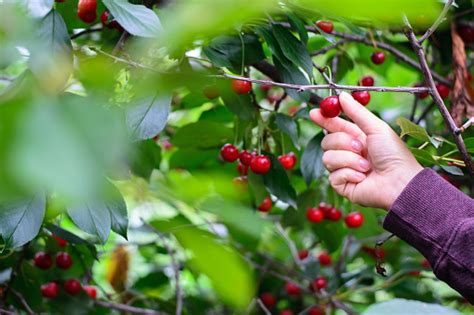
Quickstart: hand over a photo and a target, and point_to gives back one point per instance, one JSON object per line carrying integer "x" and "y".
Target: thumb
{"x": 361, "y": 116}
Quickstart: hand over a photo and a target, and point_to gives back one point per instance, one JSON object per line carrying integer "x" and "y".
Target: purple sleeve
{"x": 438, "y": 220}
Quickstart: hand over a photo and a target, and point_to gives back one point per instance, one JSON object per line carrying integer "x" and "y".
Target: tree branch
{"x": 328, "y": 48}
{"x": 438, "y": 21}
{"x": 22, "y": 300}
{"x": 466, "y": 125}
{"x": 128, "y": 308}
{"x": 86, "y": 31}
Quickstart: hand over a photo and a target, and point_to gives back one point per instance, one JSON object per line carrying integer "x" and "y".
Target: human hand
{"x": 368, "y": 162}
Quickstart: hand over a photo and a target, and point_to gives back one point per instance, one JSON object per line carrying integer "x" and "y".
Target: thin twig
{"x": 121, "y": 43}
{"x": 328, "y": 48}
{"x": 344, "y": 307}
{"x": 128, "y": 308}
{"x": 344, "y": 253}
{"x": 466, "y": 125}
{"x": 263, "y": 307}
{"x": 86, "y": 31}
{"x": 425, "y": 112}
{"x": 126, "y": 61}
{"x": 438, "y": 21}
{"x": 6, "y": 312}
{"x": 414, "y": 108}
{"x": 291, "y": 245}
{"x": 22, "y": 300}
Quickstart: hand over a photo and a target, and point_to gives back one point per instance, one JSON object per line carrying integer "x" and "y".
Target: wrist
{"x": 401, "y": 180}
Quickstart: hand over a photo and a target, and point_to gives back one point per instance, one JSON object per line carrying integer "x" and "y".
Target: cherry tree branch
{"x": 441, "y": 18}
{"x": 328, "y": 48}
{"x": 466, "y": 125}
{"x": 127, "y": 308}
{"x": 437, "y": 98}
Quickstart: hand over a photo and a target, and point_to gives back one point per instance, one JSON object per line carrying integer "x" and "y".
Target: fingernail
{"x": 357, "y": 145}
{"x": 364, "y": 164}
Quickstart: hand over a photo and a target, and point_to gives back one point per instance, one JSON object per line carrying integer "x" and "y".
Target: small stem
{"x": 128, "y": 308}
{"x": 438, "y": 21}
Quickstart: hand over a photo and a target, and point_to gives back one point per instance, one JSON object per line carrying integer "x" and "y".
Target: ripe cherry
{"x": 43, "y": 260}
{"x": 333, "y": 214}
{"x": 241, "y": 87}
{"x": 63, "y": 260}
{"x": 72, "y": 286}
{"x": 242, "y": 169}
{"x": 303, "y": 254}
{"x": 260, "y": 164}
{"x": 422, "y": 95}
{"x": 266, "y": 205}
{"x": 324, "y": 259}
{"x": 229, "y": 153}
{"x": 292, "y": 289}
{"x": 91, "y": 291}
{"x": 414, "y": 273}
{"x": 330, "y": 107}
{"x": 443, "y": 90}
{"x": 378, "y": 57}
{"x": 61, "y": 242}
{"x": 316, "y": 311}
{"x": 108, "y": 21}
{"x": 50, "y": 290}
{"x": 314, "y": 215}
{"x": 467, "y": 33}
{"x": 367, "y": 81}
{"x": 246, "y": 157}
{"x": 319, "y": 283}
{"x": 268, "y": 299}
{"x": 265, "y": 87}
{"x": 286, "y": 312}
{"x": 211, "y": 92}
{"x": 288, "y": 161}
{"x": 325, "y": 26}
{"x": 362, "y": 97}
{"x": 354, "y": 219}
{"x": 324, "y": 207}
{"x": 87, "y": 10}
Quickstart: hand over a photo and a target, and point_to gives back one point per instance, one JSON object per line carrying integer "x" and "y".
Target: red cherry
{"x": 229, "y": 153}
{"x": 333, "y": 214}
{"x": 91, "y": 291}
{"x": 211, "y": 92}
{"x": 87, "y": 10}
{"x": 268, "y": 299}
{"x": 43, "y": 260}
{"x": 292, "y": 289}
{"x": 286, "y": 312}
{"x": 104, "y": 18}
{"x": 50, "y": 290}
{"x": 443, "y": 90}
{"x": 324, "y": 207}
{"x": 265, "y": 87}
{"x": 466, "y": 33}
{"x": 314, "y": 215}
{"x": 426, "y": 264}
{"x": 315, "y": 311}
{"x": 303, "y": 254}
{"x": 415, "y": 273}
{"x": 266, "y": 205}
{"x": 362, "y": 97}
{"x": 63, "y": 260}
{"x": 422, "y": 95}
{"x": 273, "y": 97}
{"x": 60, "y": 1}
{"x": 330, "y": 107}
{"x": 288, "y": 161}
{"x": 319, "y": 283}
{"x": 293, "y": 110}
{"x": 367, "y": 81}
{"x": 354, "y": 219}
{"x": 167, "y": 145}
{"x": 61, "y": 242}
{"x": 108, "y": 21}
{"x": 246, "y": 157}
{"x": 241, "y": 87}
{"x": 260, "y": 164}
{"x": 242, "y": 169}
{"x": 325, "y": 26}
{"x": 72, "y": 286}
{"x": 324, "y": 259}
{"x": 378, "y": 57}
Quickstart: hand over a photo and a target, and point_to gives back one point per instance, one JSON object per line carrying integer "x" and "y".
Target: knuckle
{"x": 327, "y": 160}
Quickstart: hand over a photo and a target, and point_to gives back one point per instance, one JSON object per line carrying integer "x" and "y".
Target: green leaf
{"x": 145, "y": 157}
{"x": 93, "y": 218}
{"x": 469, "y": 142}
{"x": 257, "y": 187}
{"x": 290, "y": 73}
{"x": 241, "y": 105}
{"x": 72, "y": 238}
{"x": 147, "y": 117}
{"x": 413, "y": 130}
{"x": 298, "y": 26}
{"x": 20, "y": 221}
{"x": 190, "y": 159}
{"x": 423, "y": 157}
{"x": 311, "y": 162}
{"x": 202, "y": 134}
{"x": 38, "y": 8}
{"x": 138, "y": 20}
{"x": 454, "y": 170}
{"x": 288, "y": 125}
{"x": 278, "y": 184}
{"x": 402, "y": 306}
{"x": 118, "y": 211}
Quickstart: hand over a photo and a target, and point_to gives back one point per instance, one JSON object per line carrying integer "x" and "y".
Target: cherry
{"x": 362, "y": 97}
{"x": 333, "y": 214}
{"x": 325, "y": 26}
{"x": 246, "y": 157}
{"x": 61, "y": 242}
{"x": 242, "y": 169}
{"x": 324, "y": 207}
{"x": 376, "y": 253}
{"x": 108, "y": 21}
{"x": 330, "y": 107}
{"x": 426, "y": 264}
{"x": 167, "y": 145}
{"x": 87, "y": 10}
{"x": 211, "y": 92}
{"x": 288, "y": 161}
{"x": 286, "y": 312}
{"x": 266, "y": 205}
{"x": 378, "y": 57}
{"x": 367, "y": 81}
{"x": 292, "y": 289}
{"x": 260, "y": 164}
{"x": 265, "y": 87}
{"x": 50, "y": 290}
{"x": 43, "y": 260}
{"x": 414, "y": 273}
{"x": 229, "y": 153}
{"x": 268, "y": 299}
{"x": 354, "y": 219}
{"x": 466, "y": 33}
{"x": 422, "y": 95}
{"x": 273, "y": 97}
{"x": 324, "y": 259}
{"x": 314, "y": 215}
{"x": 303, "y": 254}
{"x": 63, "y": 260}
{"x": 91, "y": 291}
{"x": 293, "y": 110}
{"x": 72, "y": 286}
{"x": 319, "y": 283}
{"x": 315, "y": 311}
{"x": 443, "y": 90}
{"x": 241, "y": 87}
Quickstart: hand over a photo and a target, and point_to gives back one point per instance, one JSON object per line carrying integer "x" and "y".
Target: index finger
{"x": 336, "y": 124}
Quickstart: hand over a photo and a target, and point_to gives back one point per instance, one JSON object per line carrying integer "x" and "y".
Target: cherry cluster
{"x": 325, "y": 211}
{"x": 87, "y": 12}
{"x": 63, "y": 261}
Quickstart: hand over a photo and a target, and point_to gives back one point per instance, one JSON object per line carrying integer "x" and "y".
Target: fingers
{"x": 362, "y": 117}
{"x": 336, "y": 124}
{"x": 337, "y": 159}
{"x": 343, "y": 176}
{"x": 342, "y": 141}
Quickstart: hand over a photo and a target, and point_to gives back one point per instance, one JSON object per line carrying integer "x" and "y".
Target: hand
{"x": 368, "y": 162}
